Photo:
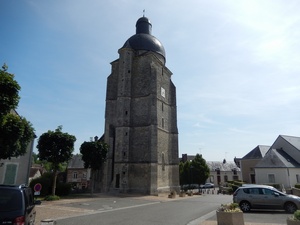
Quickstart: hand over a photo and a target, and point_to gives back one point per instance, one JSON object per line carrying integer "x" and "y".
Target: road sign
{"x": 37, "y": 187}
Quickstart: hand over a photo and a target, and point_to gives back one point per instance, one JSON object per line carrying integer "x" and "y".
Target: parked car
{"x": 207, "y": 185}
{"x": 17, "y": 205}
{"x": 264, "y": 197}
{"x": 186, "y": 187}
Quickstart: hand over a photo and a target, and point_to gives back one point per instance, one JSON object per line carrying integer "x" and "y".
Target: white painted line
{"x": 109, "y": 210}
{"x": 202, "y": 218}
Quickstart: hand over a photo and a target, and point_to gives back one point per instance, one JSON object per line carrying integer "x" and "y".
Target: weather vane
{"x": 144, "y": 13}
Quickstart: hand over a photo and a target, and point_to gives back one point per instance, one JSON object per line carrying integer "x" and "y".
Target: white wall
{"x": 281, "y": 176}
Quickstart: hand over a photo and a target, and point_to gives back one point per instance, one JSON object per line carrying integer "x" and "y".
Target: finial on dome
{"x": 144, "y": 13}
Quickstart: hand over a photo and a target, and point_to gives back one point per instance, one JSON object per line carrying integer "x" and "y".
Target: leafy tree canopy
{"x": 56, "y": 147}
{"x": 93, "y": 154}
{"x": 200, "y": 170}
{"x": 15, "y": 131}
{"x": 194, "y": 172}
{"x": 9, "y": 94}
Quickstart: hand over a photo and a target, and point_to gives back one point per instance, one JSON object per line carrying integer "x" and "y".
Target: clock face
{"x": 163, "y": 92}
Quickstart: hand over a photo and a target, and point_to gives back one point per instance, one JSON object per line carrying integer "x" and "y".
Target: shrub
{"x": 63, "y": 189}
{"x": 297, "y": 185}
{"x": 231, "y": 207}
{"x": 238, "y": 183}
{"x": 296, "y": 215}
{"x": 234, "y": 187}
{"x": 277, "y": 186}
{"x": 45, "y": 181}
{"x": 51, "y": 198}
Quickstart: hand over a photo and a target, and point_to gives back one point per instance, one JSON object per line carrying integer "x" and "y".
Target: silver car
{"x": 264, "y": 197}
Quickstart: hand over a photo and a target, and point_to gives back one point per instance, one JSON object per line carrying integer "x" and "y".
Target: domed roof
{"x": 143, "y": 40}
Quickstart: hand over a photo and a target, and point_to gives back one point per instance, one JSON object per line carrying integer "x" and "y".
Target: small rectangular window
{"x": 10, "y": 174}
{"x": 271, "y": 178}
{"x": 225, "y": 178}
{"x": 75, "y": 175}
{"x": 298, "y": 178}
{"x": 163, "y": 123}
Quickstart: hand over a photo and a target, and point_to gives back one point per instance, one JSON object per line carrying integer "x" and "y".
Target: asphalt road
{"x": 128, "y": 211}
{"x": 135, "y": 210}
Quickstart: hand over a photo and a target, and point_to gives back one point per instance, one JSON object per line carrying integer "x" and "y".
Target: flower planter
{"x": 230, "y": 218}
{"x": 172, "y": 194}
{"x": 292, "y": 222}
{"x": 182, "y": 194}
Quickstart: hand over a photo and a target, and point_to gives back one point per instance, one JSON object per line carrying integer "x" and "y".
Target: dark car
{"x": 264, "y": 197}
{"x": 17, "y": 205}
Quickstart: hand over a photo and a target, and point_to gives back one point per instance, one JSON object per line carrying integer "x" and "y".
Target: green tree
{"x": 199, "y": 170}
{"x": 56, "y": 147}
{"x": 184, "y": 175}
{"x": 15, "y": 131}
{"x": 9, "y": 94}
{"x": 93, "y": 154}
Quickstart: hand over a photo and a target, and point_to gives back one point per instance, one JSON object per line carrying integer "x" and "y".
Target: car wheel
{"x": 290, "y": 207}
{"x": 245, "y": 206}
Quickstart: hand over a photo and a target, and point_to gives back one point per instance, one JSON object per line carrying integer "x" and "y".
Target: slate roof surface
{"x": 227, "y": 166}
{"x": 33, "y": 171}
{"x": 258, "y": 152}
{"x": 295, "y": 141}
{"x": 277, "y": 158}
{"x": 76, "y": 162}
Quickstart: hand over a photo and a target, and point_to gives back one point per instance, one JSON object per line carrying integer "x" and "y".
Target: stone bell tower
{"x": 140, "y": 119}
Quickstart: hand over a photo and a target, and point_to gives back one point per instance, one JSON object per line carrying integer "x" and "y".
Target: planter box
{"x": 230, "y": 218}
{"x": 292, "y": 222}
{"x": 182, "y": 194}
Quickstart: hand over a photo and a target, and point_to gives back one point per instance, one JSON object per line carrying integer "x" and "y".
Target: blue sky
{"x": 236, "y": 66}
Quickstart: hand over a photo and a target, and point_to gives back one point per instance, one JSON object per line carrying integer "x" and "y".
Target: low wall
{"x": 296, "y": 191}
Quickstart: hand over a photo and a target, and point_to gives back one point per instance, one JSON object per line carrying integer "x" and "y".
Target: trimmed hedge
{"x": 297, "y": 185}
{"x": 46, "y": 181}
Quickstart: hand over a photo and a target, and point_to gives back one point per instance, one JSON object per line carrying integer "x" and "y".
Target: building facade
{"x": 281, "y": 163}
{"x": 249, "y": 161}
{"x": 141, "y": 119}
{"x": 222, "y": 172}
{"x": 77, "y": 175}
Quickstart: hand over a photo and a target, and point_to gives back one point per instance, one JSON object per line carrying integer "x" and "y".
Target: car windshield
{"x": 10, "y": 200}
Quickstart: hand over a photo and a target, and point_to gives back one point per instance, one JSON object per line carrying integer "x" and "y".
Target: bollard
{"x": 48, "y": 222}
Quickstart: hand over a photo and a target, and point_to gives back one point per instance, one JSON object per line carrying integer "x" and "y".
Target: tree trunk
{"x": 92, "y": 181}
{"x": 54, "y": 181}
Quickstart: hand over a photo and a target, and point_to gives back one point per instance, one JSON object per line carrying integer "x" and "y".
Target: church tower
{"x": 141, "y": 119}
